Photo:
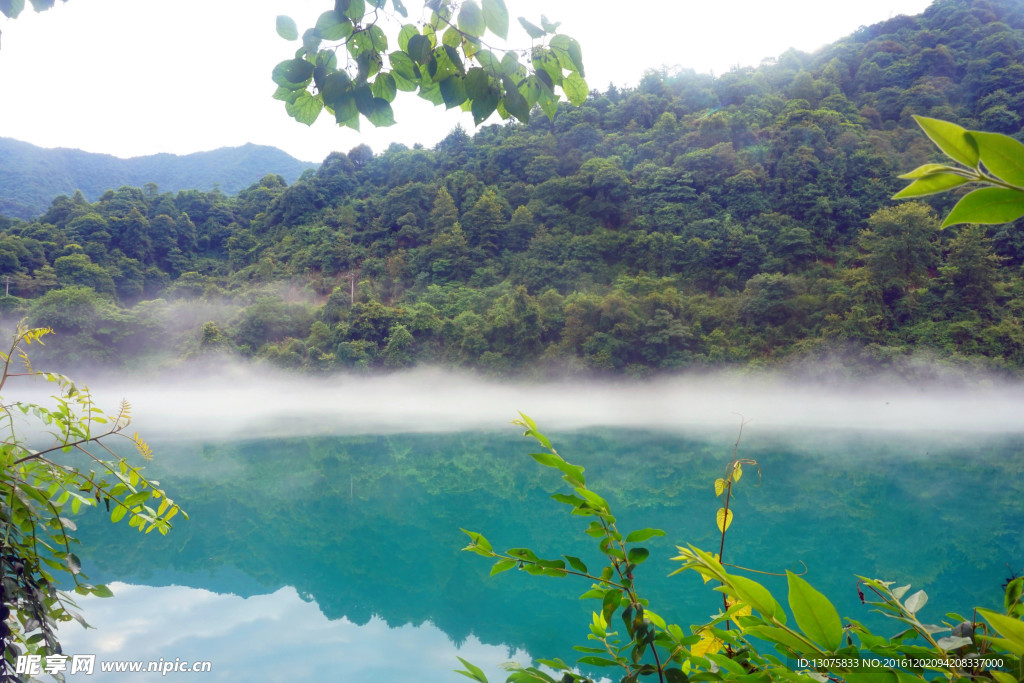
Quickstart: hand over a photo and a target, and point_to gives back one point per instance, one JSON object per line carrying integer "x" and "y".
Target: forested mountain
{"x": 689, "y": 221}
{"x": 30, "y": 176}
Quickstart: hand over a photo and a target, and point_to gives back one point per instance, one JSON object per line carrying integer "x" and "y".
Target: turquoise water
{"x": 337, "y": 558}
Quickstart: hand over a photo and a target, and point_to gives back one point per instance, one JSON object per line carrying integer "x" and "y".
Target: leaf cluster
{"x": 42, "y": 487}
{"x": 348, "y": 66}
{"x": 825, "y": 649}
{"x": 993, "y": 160}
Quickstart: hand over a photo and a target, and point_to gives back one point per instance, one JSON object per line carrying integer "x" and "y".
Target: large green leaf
{"x": 516, "y": 105}
{"x": 931, "y": 184}
{"x": 814, "y": 614}
{"x": 496, "y": 17}
{"x": 1012, "y": 629}
{"x": 419, "y": 48}
{"x": 471, "y": 19}
{"x": 293, "y": 74}
{"x": 1002, "y": 155}
{"x": 987, "y": 205}
{"x": 576, "y": 89}
{"x": 453, "y": 90}
{"x": 333, "y": 26}
{"x": 951, "y": 139}
{"x": 305, "y": 109}
{"x": 384, "y": 87}
{"x": 407, "y": 32}
{"x": 758, "y": 597}
{"x": 356, "y": 9}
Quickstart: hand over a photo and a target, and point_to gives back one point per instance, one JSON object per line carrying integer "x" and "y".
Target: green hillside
{"x": 31, "y": 177}
{"x": 690, "y": 221}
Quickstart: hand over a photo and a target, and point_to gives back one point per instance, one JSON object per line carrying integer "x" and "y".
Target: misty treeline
{"x": 691, "y": 220}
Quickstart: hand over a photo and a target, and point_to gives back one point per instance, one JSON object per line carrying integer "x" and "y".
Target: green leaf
{"x": 638, "y": 555}
{"x": 611, "y": 602}
{"x": 502, "y": 566}
{"x": 757, "y": 596}
{"x": 286, "y": 28}
{"x": 778, "y": 635}
{"x": 727, "y": 664}
{"x": 73, "y": 563}
{"x": 407, "y": 32}
{"x": 356, "y": 10}
{"x": 384, "y": 87}
{"x": 1014, "y": 589}
{"x": 102, "y": 592}
{"x": 931, "y": 184}
{"x": 419, "y": 48}
{"x": 927, "y": 169}
{"x": 534, "y": 31}
{"x": 336, "y": 86}
{"x": 118, "y": 513}
{"x": 597, "y": 661}
{"x": 333, "y": 26}
{"x": 573, "y": 501}
{"x": 293, "y": 74}
{"x": 1010, "y": 628}
{"x": 451, "y": 37}
{"x": 951, "y": 139}
{"x": 474, "y": 672}
{"x": 478, "y": 85}
{"x": 496, "y": 17}
{"x": 471, "y": 19}
{"x": 576, "y": 563}
{"x": 305, "y": 108}
{"x": 516, "y": 104}
{"x": 987, "y": 205}
{"x": 478, "y": 539}
{"x": 575, "y": 89}
{"x": 723, "y": 518}
{"x": 641, "y": 535}
{"x": 483, "y": 107}
{"x": 814, "y": 614}
{"x": 378, "y": 40}
{"x": 375, "y": 109}
{"x": 453, "y": 91}
{"x": 1002, "y": 155}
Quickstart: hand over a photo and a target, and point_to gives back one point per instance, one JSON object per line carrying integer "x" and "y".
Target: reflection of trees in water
{"x": 370, "y": 525}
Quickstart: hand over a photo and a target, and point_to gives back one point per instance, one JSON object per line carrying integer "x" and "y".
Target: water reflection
{"x": 367, "y": 528}
{"x": 272, "y": 637}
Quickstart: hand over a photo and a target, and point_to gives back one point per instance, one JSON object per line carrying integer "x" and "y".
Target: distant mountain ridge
{"x": 31, "y": 176}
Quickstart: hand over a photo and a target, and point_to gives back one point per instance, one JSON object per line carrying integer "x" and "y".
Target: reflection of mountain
{"x": 275, "y": 637}
{"x": 369, "y": 525}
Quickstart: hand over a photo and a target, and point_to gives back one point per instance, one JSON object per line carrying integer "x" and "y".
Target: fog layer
{"x": 259, "y": 402}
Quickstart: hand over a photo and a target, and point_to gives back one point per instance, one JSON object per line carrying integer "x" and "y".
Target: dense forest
{"x": 692, "y": 220}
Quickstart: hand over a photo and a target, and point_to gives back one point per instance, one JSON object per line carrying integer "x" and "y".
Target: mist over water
{"x": 263, "y": 402}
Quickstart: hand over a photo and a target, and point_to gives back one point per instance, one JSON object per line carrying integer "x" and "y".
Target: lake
{"x": 336, "y": 556}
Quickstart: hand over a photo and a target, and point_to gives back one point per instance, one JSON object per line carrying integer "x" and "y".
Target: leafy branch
{"x": 41, "y": 488}
{"x": 990, "y": 159}
{"x": 444, "y": 59}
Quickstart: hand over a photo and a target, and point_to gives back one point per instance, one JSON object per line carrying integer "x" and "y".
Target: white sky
{"x": 135, "y": 77}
